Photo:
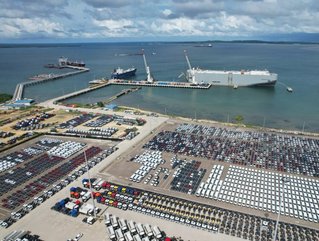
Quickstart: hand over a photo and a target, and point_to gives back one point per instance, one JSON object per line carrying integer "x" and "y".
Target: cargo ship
{"x": 65, "y": 62}
{"x": 231, "y": 78}
{"x": 120, "y": 73}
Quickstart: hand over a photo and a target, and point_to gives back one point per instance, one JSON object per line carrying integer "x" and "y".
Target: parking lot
{"x": 102, "y": 126}
{"x": 177, "y": 205}
{"x": 286, "y": 153}
{"x": 261, "y": 190}
{"x": 181, "y": 213}
{"x": 254, "y": 182}
{"x": 38, "y": 164}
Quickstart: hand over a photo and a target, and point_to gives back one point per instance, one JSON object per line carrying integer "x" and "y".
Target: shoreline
{"x": 227, "y": 124}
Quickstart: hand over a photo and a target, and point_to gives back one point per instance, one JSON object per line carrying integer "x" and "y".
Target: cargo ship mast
{"x": 147, "y": 69}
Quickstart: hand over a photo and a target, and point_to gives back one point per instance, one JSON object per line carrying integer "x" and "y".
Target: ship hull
{"x": 228, "y": 78}
{"x": 123, "y": 75}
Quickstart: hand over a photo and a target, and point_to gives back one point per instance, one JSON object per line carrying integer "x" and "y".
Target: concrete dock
{"x": 18, "y": 93}
{"x": 163, "y": 84}
{"x": 123, "y": 92}
{"x": 79, "y": 92}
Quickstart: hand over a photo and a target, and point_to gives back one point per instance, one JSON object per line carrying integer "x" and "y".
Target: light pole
{"x": 281, "y": 200}
{"x": 87, "y": 169}
{"x": 92, "y": 196}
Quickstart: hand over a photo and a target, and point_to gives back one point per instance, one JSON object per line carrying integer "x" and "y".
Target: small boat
{"x": 204, "y": 45}
{"x": 120, "y": 73}
{"x": 97, "y": 81}
{"x": 289, "y": 89}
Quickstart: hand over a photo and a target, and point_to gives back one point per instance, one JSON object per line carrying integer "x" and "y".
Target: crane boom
{"x": 189, "y": 64}
{"x": 147, "y": 69}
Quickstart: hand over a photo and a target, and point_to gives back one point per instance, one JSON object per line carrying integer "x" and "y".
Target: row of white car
{"x": 149, "y": 160}
{"x": 66, "y": 149}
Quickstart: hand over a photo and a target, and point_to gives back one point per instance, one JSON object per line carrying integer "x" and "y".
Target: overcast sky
{"x": 107, "y": 20}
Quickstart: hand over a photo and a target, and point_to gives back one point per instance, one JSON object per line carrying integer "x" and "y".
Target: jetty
{"x": 18, "y": 93}
{"x": 163, "y": 84}
{"x": 77, "y": 93}
{"x": 123, "y": 92}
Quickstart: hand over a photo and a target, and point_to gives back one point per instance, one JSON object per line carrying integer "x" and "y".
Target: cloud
{"x": 101, "y": 19}
{"x": 111, "y": 3}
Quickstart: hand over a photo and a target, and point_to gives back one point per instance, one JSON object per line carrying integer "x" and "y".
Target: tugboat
{"x": 120, "y": 73}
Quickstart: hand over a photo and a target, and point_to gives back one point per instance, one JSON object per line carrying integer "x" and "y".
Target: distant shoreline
{"x": 77, "y": 44}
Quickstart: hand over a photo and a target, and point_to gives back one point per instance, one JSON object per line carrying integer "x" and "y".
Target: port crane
{"x": 190, "y": 73}
{"x": 149, "y": 78}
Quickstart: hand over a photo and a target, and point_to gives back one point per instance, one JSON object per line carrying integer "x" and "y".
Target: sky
{"x": 156, "y": 20}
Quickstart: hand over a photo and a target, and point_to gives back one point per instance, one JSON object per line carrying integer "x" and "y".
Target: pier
{"x": 77, "y": 93}
{"x": 123, "y": 92}
{"x": 18, "y": 93}
{"x": 163, "y": 84}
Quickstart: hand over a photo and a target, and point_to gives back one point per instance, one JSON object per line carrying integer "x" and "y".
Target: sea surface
{"x": 297, "y": 66}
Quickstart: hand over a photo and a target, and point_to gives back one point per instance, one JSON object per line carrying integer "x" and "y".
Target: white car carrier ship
{"x": 229, "y": 77}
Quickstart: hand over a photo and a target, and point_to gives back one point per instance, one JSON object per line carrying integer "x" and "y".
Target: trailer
{"x": 86, "y": 196}
{"x": 148, "y": 230}
{"x": 139, "y": 229}
{"x": 71, "y": 205}
{"x": 107, "y": 219}
{"x": 157, "y": 232}
{"x": 85, "y": 210}
{"x": 131, "y": 226}
{"x": 119, "y": 235}
{"x": 122, "y": 224}
{"x": 114, "y": 222}
{"x": 111, "y": 233}
{"x": 136, "y": 237}
{"x": 128, "y": 236}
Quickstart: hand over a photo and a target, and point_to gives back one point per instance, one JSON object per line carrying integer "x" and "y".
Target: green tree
{"x": 100, "y": 104}
{"x": 239, "y": 119}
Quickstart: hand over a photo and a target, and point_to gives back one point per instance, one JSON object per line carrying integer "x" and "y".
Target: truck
{"x": 96, "y": 182}
{"x": 128, "y": 236}
{"x": 71, "y": 205}
{"x": 131, "y": 226}
{"x": 136, "y": 237}
{"x": 139, "y": 229}
{"x": 85, "y": 210}
{"x": 119, "y": 235}
{"x": 122, "y": 224}
{"x": 148, "y": 230}
{"x": 86, "y": 196}
{"x": 98, "y": 186}
{"x": 111, "y": 233}
{"x": 107, "y": 218}
{"x": 114, "y": 222}
{"x": 157, "y": 232}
